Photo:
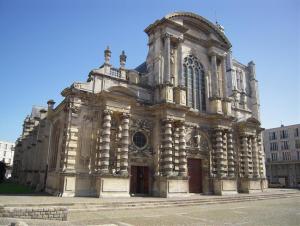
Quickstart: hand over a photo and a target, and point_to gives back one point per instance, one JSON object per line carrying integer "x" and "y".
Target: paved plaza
{"x": 283, "y": 211}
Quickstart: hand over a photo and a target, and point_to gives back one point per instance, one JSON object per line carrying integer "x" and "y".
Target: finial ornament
{"x": 123, "y": 58}
{"x": 107, "y": 55}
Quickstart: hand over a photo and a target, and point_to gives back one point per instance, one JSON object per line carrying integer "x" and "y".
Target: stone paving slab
{"x": 267, "y": 212}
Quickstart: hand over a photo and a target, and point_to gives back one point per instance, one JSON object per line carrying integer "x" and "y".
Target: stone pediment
{"x": 122, "y": 91}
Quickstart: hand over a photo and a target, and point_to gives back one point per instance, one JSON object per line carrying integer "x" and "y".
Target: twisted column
{"x": 105, "y": 144}
{"x": 255, "y": 158}
{"x": 182, "y": 151}
{"x": 167, "y": 148}
{"x": 230, "y": 155}
{"x": 124, "y": 144}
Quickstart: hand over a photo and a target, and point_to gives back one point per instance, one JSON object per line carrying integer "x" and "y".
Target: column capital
{"x": 107, "y": 112}
{"x": 125, "y": 115}
{"x": 167, "y": 120}
{"x": 167, "y": 36}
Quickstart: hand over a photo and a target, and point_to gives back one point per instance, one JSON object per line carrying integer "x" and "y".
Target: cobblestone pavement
{"x": 284, "y": 211}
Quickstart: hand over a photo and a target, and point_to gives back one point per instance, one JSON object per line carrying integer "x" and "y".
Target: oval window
{"x": 139, "y": 139}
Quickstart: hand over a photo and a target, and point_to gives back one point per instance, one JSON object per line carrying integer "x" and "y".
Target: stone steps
{"x": 173, "y": 203}
{"x": 133, "y": 203}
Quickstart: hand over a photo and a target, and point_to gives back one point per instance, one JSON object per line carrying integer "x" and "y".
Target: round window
{"x": 139, "y": 139}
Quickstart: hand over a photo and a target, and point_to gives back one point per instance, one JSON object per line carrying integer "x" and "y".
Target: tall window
{"x": 297, "y": 132}
{"x": 273, "y": 146}
{"x": 272, "y": 136}
{"x": 284, "y": 145}
{"x": 283, "y": 134}
{"x": 195, "y": 83}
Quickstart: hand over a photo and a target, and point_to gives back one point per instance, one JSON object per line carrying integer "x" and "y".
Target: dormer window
{"x": 195, "y": 83}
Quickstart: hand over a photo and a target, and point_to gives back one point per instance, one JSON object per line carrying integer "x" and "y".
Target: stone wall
{"x": 53, "y": 213}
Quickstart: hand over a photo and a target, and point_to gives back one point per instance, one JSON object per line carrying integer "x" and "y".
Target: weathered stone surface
{"x": 130, "y": 131}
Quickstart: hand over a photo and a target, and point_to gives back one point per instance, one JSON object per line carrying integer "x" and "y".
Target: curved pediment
{"x": 122, "y": 91}
{"x": 188, "y": 16}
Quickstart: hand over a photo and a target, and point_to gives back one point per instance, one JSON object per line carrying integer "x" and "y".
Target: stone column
{"x": 249, "y": 157}
{"x": 167, "y": 49}
{"x": 182, "y": 151}
{"x": 181, "y": 81}
{"x": 124, "y": 144}
{"x": 255, "y": 158}
{"x": 176, "y": 150}
{"x": 225, "y": 161}
{"x": 221, "y": 162}
{"x": 167, "y": 156}
{"x": 225, "y": 91}
{"x": 105, "y": 144}
{"x": 230, "y": 155}
{"x": 261, "y": 157}
{"x": 244, "y": 161}
{"x": 214, "y": 76}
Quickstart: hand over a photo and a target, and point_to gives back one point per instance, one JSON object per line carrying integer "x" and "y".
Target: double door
{"x": 139, "y": 181}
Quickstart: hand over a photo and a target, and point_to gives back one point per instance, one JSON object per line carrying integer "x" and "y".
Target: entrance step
{"x": 138, "y": 203}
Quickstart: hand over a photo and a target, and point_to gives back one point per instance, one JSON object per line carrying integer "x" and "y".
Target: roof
{"x": 193, "y": 16}
{"x": 142, "y": 68}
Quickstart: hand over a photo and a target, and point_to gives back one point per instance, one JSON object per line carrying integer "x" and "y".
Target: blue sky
{"x": 47, "y": 45}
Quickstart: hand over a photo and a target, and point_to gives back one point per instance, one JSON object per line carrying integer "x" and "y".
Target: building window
{"x": 272, "y": 136}
{"x": 139, "y": 139}
{"x": 195, "y": 83}
{"x": 297, "y": 144}
{"x": 298, "y": 155}
{"x": 274, "y": 156}
{"x": 283, "y": 134}
{"x": 286, "y": 155}
{"x": 273, "y": 146}
{"x": 297, "y": 132}
{"x": 284, "y": 145}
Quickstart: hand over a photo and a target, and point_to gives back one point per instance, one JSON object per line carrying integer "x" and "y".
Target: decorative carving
{"x": 144, "y": 126}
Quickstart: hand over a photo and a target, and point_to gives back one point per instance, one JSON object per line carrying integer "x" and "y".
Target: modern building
{"x": 7, "y": 155}
{"x": 282, "y": 148}
{"x": 185, "y": 121}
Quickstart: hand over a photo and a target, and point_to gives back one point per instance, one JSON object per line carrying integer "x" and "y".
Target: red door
{"x": 195, "y": 175}
{"x": 139, "y": 182}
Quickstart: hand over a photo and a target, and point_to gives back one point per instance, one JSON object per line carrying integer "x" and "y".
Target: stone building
{"x": 184, "y": 121}
{"x": 7, "y": 155}
{"x": 282, "y": 148}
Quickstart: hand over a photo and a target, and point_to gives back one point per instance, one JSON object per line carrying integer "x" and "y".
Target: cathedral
{"x": 184, "y": 121}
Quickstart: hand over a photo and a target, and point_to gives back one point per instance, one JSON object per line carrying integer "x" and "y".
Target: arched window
{"x": 195, "y": 83}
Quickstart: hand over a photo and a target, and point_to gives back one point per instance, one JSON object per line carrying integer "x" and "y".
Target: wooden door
{"x": 139, "y": 182}
{"x": 133, "y": 179}
{"x": 195, "y": 175}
